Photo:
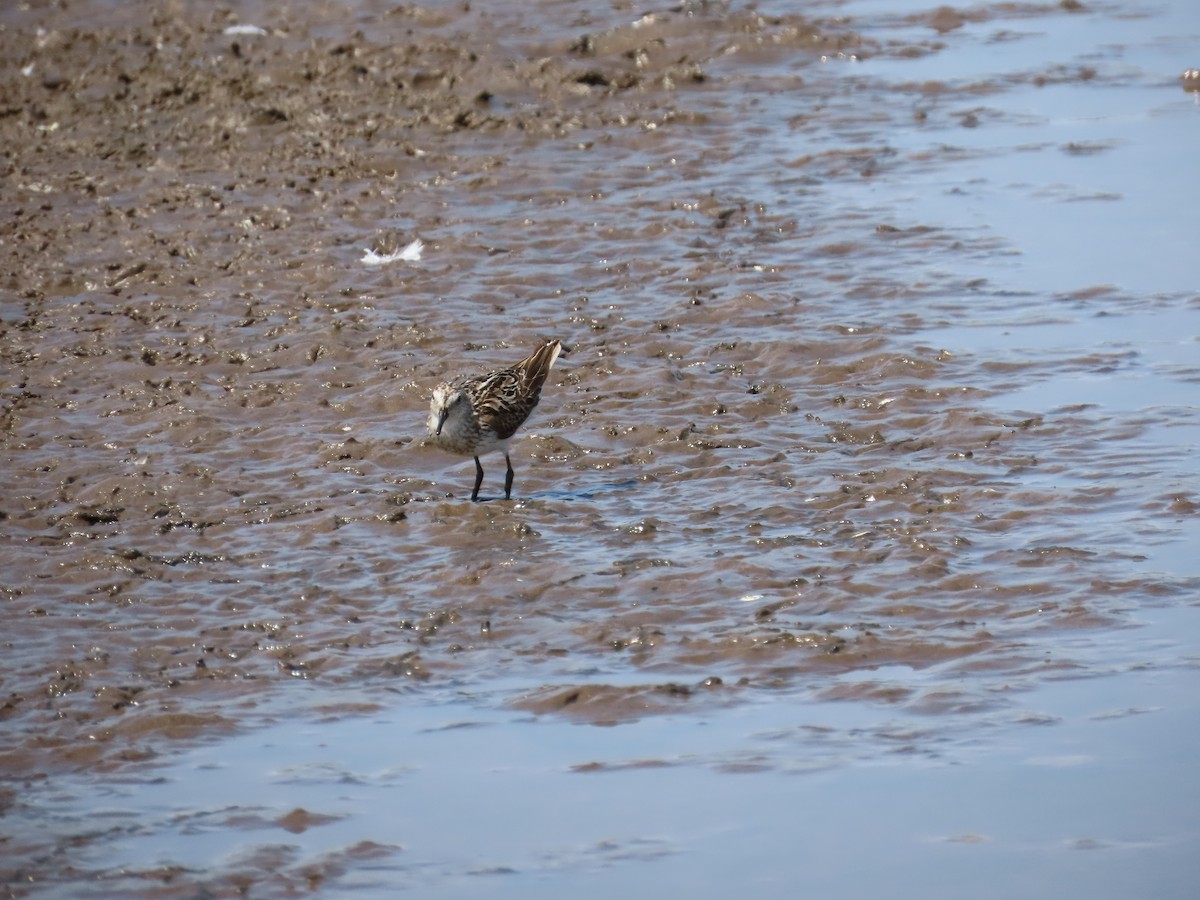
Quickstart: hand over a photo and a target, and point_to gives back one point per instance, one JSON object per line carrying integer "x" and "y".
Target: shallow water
{"x": 861, "y": 514}
{"x": 763, "y": 796}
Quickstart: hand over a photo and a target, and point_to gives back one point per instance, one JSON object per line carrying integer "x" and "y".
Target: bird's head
{"x": 446, "y": 398}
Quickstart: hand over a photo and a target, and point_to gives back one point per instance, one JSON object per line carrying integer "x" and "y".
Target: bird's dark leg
{"x": 478, "y": 480}
{"x": 508, "y": 478}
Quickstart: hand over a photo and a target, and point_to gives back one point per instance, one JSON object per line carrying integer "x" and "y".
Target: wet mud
{"x": 766, "y": 462}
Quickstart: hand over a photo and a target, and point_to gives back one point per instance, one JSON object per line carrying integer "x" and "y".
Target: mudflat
{"x": 817, "y": 425}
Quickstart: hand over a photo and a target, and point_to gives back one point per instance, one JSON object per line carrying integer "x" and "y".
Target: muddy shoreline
{"x": 829, "y": 446}
{"x": 174, "y": 299}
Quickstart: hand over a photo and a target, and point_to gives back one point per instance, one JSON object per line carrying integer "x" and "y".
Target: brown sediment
{"x": 213, "y": 477}
{"x": 756, "y": 477}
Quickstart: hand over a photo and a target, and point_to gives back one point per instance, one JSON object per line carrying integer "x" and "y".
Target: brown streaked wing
{"x": 503, "y": 400}
{"x": 536, "y": 367}
{"x": 500, "y": 404}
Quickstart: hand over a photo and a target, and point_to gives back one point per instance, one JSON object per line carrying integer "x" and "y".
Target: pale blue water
{"x": 1076, "y": 787}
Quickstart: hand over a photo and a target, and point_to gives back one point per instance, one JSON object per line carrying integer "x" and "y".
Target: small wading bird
{"x": 474, "y": 416}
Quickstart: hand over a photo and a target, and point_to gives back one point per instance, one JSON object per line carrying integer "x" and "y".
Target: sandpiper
{"x": 474, "y": 416}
